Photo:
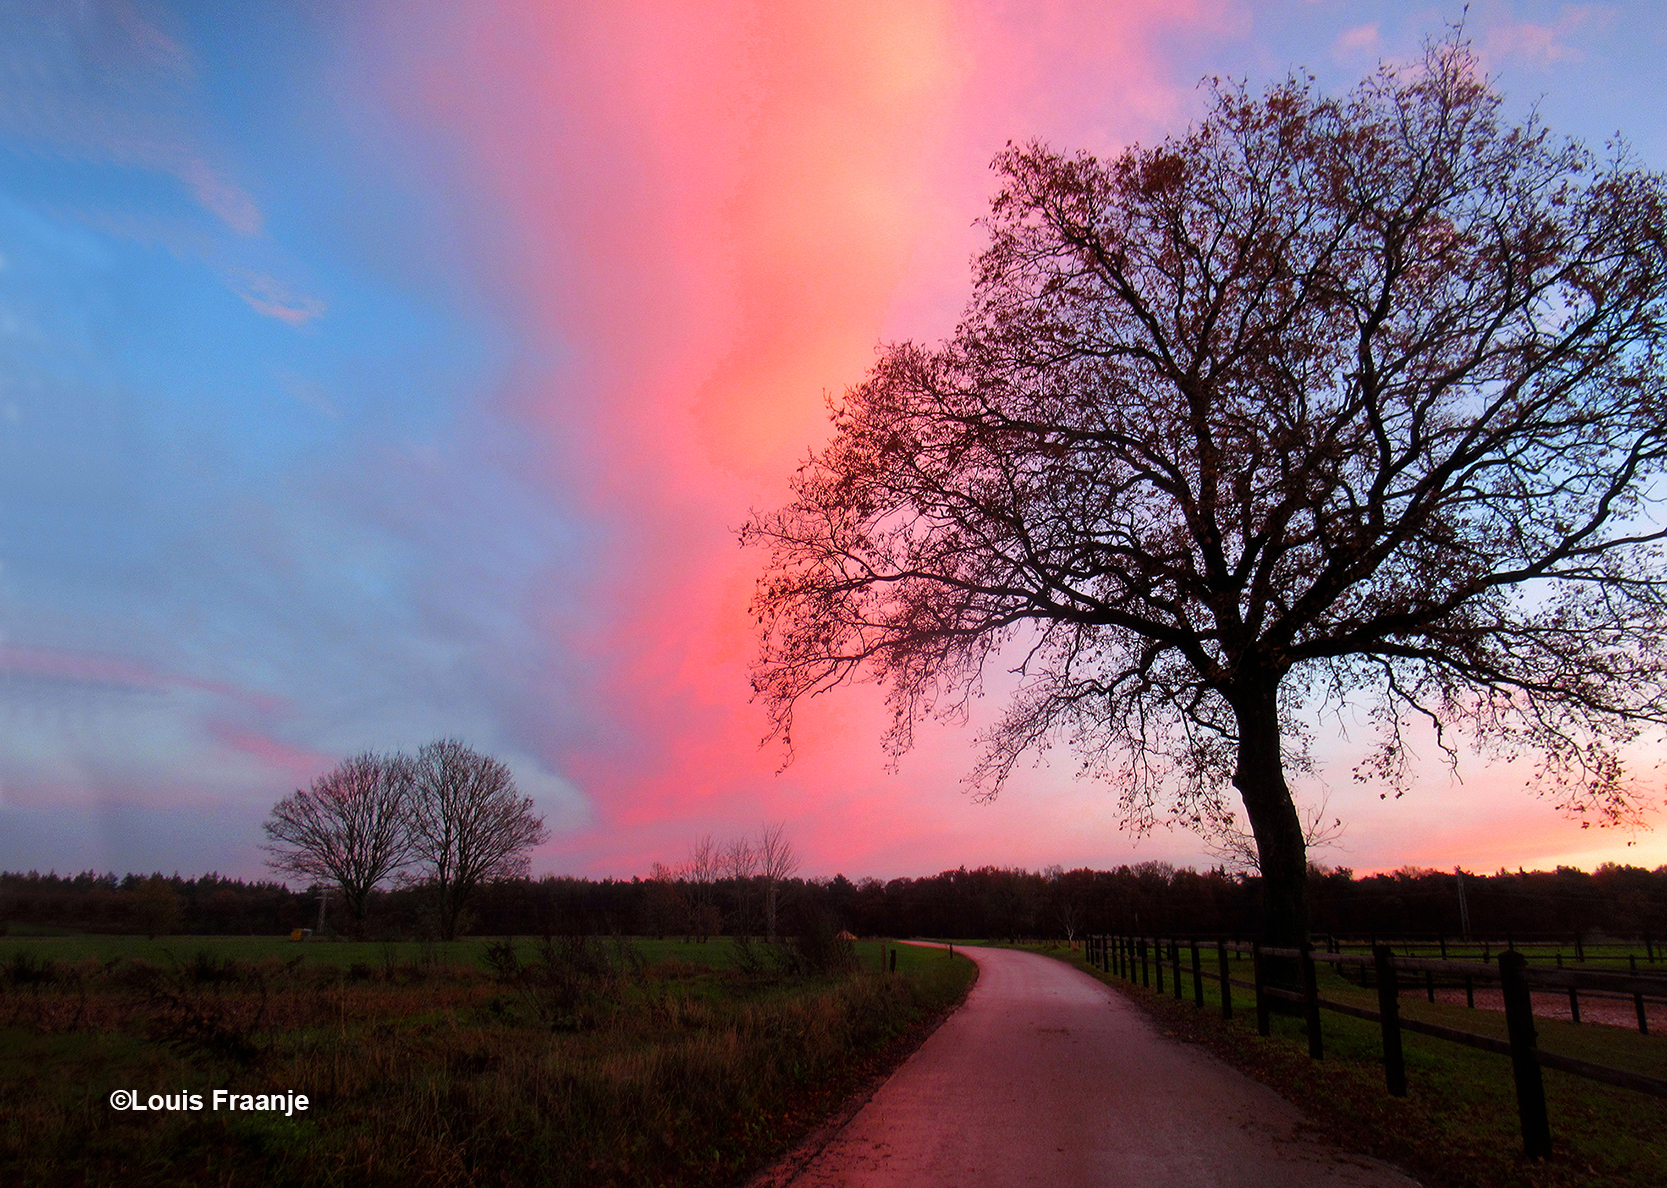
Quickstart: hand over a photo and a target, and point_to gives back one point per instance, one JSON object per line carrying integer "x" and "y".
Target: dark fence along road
{"x": 1144, "y": 959}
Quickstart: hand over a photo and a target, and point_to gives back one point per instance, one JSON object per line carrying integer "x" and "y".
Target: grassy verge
{"x": 580, "y": 1062}
{"x": 1458, "y": 1125}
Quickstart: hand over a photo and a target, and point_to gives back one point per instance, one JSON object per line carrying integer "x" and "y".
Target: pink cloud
{"x": 269, "y": 296}
{"x": 1356, "y": 40}
{"x": 298, "y": 763}
{"x": 723, "y": 209}
{"x": 719, "y": 210}
{"x": 226, "y": 200}
{"x": 97, "y": 669}
{"x": 1539, "y": 43}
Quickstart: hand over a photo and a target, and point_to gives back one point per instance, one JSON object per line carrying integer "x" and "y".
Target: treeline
{"x": 988, "y": 902}
{"x": 155, "y": 905}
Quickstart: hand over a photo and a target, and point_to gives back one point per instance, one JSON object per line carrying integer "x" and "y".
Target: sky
{"x": 378, "y": 372}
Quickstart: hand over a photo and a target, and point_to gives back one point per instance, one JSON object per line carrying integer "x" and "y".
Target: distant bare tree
{"x": 348, "y": 828}
{"x": 1068, "y": 907}
{"x": 740, "y": 864}
{"x": 740, "y": 860}
{"x": 468, "y": 825}
{"x": 777, "y": 863}
{"x": 702, "y": 873}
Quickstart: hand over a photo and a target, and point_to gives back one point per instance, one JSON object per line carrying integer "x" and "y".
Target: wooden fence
{"x": 1141, "y": 959}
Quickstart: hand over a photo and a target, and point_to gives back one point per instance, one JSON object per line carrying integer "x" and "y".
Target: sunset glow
{"x": 380, "y": 377}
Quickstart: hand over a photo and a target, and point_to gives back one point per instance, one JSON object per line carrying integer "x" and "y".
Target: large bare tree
{"x": 348, "y": 828}
{"x": 468, "y": 825}
{"x": 1349, "y": 398}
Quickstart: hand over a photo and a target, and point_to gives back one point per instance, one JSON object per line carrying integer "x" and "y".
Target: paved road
{"x": 1047, "y": 1077}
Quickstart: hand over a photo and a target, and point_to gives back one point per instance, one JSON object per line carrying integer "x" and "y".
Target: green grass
{"x": 648, "y": 1062}
{"x": 163, "y": 949}
{"x": 1458, "y": 1125}
{"x": 1598, "y": 956}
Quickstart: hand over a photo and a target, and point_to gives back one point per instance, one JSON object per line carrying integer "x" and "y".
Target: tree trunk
{"x": 450, "y": 911}
{"x": 1260, "y": 779}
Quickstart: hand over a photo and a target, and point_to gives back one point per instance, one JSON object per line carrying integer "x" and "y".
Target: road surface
{"x": 1045, "y": 1076}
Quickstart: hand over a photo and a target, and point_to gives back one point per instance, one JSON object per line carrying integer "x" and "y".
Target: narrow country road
{"x": 1045, "y": 1076}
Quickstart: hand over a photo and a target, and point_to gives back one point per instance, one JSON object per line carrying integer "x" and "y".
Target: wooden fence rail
{"x": 1138, "y": 958}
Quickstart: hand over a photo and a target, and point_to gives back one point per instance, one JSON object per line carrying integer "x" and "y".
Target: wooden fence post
{"x": 1389, "y": 1013}
{"x": 1198, "y": 978}
{"x": 1519, "y": 1022}
{"x": 1145, "y": 970}
{"x": 1311, "y": 1003}
{"x": 1175, "y": 966}
{"x": 1157, "y": 960}
{"x": 1226, "y": 980}
{"x": 1261, "y": 998}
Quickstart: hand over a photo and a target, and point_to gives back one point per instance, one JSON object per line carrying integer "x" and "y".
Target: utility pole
{"x": 1464, "y": 908}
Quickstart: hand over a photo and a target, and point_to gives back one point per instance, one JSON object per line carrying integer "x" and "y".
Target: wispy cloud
{"x": 100, "y": 670}
{"x": 1540, "y": 43}
{"x": 98, "y": 82}
{"x": 223, "y": 198}
{"x": 308, "y": 393}
{"x": 1360, "y": 39}
{"x": 270, "y": 296}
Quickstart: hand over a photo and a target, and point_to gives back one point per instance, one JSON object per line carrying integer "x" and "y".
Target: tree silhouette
{"x": 468, "y": 825}
{"x": 1354, "y": 397}
{"x": 348, "y": 828}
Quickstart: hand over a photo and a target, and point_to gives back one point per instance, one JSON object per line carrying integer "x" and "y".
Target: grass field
{"x": 1458, "y": 1125}
{"x": 331, "y": 951}
{"x": 568, "y": 1062}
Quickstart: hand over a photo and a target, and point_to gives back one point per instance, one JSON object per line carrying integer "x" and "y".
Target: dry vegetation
{"x": 568, "y": 1061}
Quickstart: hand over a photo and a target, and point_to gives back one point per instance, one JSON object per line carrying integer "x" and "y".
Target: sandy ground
{"x": 1046, "y": 1076}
